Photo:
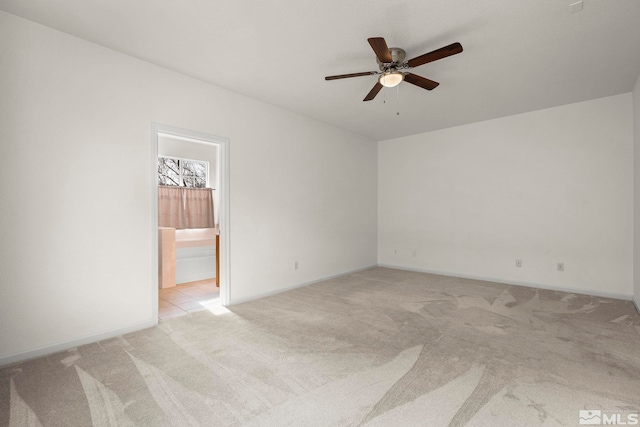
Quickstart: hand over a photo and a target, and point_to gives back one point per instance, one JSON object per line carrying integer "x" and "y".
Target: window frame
{"x": 180, "y": 161}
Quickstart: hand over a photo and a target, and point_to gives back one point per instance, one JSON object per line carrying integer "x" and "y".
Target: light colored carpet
{"x": 381, "y": 347}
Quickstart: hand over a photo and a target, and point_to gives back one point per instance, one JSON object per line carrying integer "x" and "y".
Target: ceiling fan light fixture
{"x": 391, "y": 79}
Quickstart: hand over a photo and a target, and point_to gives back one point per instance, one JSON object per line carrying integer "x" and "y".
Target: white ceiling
{"x": 518, "y": 56}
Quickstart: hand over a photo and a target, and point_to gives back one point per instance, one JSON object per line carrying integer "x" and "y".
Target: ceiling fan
{"x": 392, "y": 66}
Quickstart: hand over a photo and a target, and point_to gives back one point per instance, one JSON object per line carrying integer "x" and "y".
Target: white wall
{"x": 75, "y": 152}
{"x": 636, "y": 192}
{"x": 549, "y": 186}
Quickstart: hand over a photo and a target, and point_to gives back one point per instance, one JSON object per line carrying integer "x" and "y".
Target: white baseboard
{"x": 614, "y": 295}
{"x": 196, "y": 276}
{"x": 46, "y": 350}
{"x": 66, "y": 345}
{"x": 235, "y": 301}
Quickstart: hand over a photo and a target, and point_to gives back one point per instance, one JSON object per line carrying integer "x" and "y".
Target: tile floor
{"x": 187, "y": 298}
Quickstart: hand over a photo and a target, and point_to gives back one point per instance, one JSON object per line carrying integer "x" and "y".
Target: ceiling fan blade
{"x": 346, "y": 76}
{"x": 372, "y": 94}
{"x": 379, "y": 46}
{"x": 443, "y": 52}
{"x": 417, "y": 80}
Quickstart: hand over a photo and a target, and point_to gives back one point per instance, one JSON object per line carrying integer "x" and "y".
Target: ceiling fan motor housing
{"x": 397, "y": 58}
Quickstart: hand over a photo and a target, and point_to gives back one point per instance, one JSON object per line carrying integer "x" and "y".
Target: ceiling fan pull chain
{"x": 398, "y": 99}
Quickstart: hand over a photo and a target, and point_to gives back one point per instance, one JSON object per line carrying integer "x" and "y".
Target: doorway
{"x": 184, "y": 149}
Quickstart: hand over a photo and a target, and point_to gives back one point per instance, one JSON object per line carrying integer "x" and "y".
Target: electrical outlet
{"x": 395, "y": 252}
{"x": 561, "y": 266}
{"x": 413, "y": 253}
{"x": 295, "y": 265}
{"x": 518, "y": 263}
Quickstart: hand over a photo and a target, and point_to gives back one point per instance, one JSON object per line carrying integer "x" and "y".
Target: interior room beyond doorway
{"x": 188, "y": 225}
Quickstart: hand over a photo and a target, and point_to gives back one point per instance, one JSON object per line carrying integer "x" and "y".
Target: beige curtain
{"x": 180, "y": 207}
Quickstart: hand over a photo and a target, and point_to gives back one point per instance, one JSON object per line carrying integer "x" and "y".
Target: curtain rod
{"x": 185, "y": 188}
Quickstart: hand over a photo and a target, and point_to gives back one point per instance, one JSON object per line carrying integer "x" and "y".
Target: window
{"x": 182, "y": 172}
